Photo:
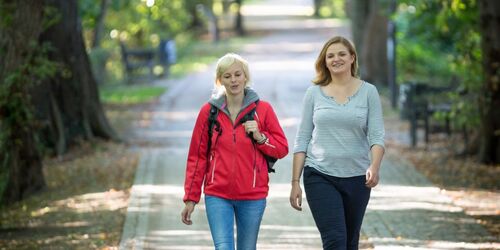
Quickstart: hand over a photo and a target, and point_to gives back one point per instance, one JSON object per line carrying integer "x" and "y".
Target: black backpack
{"x": 212, "y": 121}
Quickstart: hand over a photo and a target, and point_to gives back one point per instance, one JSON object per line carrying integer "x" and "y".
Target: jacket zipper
{"x": 213, "y": 172}
{"x": 254, "y": 176}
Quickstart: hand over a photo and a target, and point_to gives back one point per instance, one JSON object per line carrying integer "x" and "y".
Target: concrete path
{"x": 405, "y": 210}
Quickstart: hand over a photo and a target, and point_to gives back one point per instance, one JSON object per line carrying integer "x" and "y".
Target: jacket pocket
{"x": 260, "y": 176}
{"x": 211, "y": 170}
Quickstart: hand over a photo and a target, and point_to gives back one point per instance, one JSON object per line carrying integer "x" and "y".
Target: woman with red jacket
{"x": 232, "y": 167}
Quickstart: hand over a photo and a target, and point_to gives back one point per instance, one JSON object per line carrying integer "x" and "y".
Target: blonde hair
{"x": 323, "y": 76}
{"x": 223, "y": 64}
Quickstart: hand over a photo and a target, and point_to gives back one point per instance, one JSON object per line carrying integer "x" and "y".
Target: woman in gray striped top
{"x": 341, "y": 126}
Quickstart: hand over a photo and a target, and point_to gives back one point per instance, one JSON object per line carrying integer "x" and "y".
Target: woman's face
{"x": 234, "y": 79}
{"x": 338, "y": 59}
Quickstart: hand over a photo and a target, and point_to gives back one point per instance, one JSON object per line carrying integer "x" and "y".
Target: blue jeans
{"x": 221, "y": 214}
{"x": 338, "y": 206}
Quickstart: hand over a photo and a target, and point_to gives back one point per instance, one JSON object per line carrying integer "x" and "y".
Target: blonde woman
{"x": 230, "y": 162}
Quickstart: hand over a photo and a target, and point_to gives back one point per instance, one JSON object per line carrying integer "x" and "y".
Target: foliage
{"x": 144, "y": 23}
{"x": 441, "y": 47}
{"x": 196, "y": 55}
{"x": 15, "y": 103}
{"x": 130, "y": 94}
{"x": 139, "y": 24}
{"x": 332, "y": 8}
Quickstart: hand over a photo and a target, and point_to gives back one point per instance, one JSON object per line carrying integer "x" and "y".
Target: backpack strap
{"x": 212, "y": 121}
{"x": 250, "y": 115}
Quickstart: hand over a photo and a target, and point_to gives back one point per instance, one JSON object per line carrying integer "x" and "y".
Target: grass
{"x": 123, "y": 94}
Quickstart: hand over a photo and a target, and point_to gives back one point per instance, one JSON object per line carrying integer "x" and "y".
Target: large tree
{"x": 489, "y": 15}
{"x": 20, "y": 161}
{"x": 369, "y": 29}
{"x": 373, "y": 50}
{"x": 64, "y": 107}
{"x": 238, "y": 25}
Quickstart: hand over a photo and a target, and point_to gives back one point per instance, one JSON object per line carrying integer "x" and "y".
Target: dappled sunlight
{"x": 175, "y": 233}
{"x": 277, "y": 10}
{"x": 147, "y": 117}
{"x": 395, "y": 197}
{"x": 289, "y": 122}
{"x": 294, "y": 25}
{"x": 476, "y": 203}
{"x": 73, "y": 224}
{"x": 289, "y": 47}
{"x": 111, "y": 200}
{"x": 288, "y": 236}
{"x": 179, "y": 116}
{"x": 145, "y": 189}
{"x": 176, "y": 239}
{"x": 290, "y": 228}
{"x": 413, "y": 244}
{"x": 142, "y": 194}
{"x": 168, "y": 134}
{"x": 282, "y": 65}
{"x": 277, "y": 191}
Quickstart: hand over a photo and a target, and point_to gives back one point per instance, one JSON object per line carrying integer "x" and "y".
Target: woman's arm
{"x": 296, "y": 192}
{"x": 376, "y": 133}
{"x": 372, "y": 174}
{"x": 197, "y": 157}
{"x": 275, "y": 144}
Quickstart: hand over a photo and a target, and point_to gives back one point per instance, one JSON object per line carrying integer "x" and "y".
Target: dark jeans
{"x": 338, "y": 206}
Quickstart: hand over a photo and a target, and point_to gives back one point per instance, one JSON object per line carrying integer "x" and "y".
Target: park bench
{"x": 418, "y": 103}
{"x": 137, "y": 59}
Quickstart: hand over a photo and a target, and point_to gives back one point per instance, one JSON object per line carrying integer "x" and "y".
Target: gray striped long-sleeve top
{"x": 337, "y": 137}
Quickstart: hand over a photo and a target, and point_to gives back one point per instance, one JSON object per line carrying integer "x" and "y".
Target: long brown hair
{"x": 323, "y": 76}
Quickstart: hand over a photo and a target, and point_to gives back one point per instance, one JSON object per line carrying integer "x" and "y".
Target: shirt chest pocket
{"x": 361, "y": 113}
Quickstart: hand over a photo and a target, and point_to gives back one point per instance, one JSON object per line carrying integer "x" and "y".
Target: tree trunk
{"x": 99, "y": 26}
{"x": 317, "y": 7}
{"x": 196, "y": 22}
{"x": 489, "y": 102}
{"x": 238, "y": 26}
{"x": 20, "y": 160}
{"x": 75, "y": 112}
{"x": 358, "y": 12}
{"x": 373, "y": 50}
{"x": 67, "y": 106}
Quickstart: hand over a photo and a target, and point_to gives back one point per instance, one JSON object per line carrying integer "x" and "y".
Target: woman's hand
{"x": 372, "y": 177}
{"x": 187, "y": 211}
{"x": 253, "y": 127}
{"x": 296, "y": 196}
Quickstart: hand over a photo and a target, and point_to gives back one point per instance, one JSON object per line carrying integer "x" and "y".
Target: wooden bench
{"x": 137, "y": 59}
{"x": 418, "y": 102}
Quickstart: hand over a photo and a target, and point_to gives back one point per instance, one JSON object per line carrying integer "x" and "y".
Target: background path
{"x": 405, "y": 210}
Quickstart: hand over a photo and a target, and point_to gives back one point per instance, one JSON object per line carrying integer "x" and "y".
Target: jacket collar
{"x": 249, "y": 99}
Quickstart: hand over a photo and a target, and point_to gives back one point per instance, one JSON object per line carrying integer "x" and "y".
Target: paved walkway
{"x": 405, "y": 209}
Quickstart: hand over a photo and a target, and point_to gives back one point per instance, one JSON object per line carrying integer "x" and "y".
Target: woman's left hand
{"x": 253, "y": 127}
{"x": 372, "y": 177}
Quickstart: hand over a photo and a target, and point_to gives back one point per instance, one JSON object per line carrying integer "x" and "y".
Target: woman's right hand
{"x": 296, "y": 196}
{"x": 187, "y": 211}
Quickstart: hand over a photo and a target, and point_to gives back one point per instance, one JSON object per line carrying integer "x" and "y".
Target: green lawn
{"x": 123, "y": 94}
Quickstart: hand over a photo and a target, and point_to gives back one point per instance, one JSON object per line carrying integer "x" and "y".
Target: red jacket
{"x": 237, "y": 169}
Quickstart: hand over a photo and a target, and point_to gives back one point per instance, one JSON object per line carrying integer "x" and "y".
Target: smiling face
{"x": 233, "y": 79}
{"x": 338, "y": 60}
